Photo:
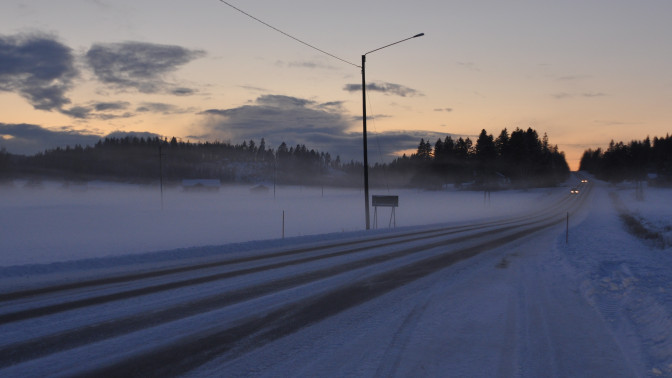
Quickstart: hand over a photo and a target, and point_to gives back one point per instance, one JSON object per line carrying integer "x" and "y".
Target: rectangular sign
{"x": 388, "y": 201}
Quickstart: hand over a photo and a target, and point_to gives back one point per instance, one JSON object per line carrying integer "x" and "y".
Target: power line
{"x": 380, "y": 150}
{"x": 288, "y": 35}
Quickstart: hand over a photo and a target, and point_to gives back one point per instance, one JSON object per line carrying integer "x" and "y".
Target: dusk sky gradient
{"x": 584, "y": 72}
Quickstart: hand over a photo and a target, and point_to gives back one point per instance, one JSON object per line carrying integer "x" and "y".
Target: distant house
{"x": 201, "y": 185}
{"x": 259, "y": 189}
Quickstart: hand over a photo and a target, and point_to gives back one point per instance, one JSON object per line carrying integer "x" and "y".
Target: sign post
{"x": 385, "y": 201}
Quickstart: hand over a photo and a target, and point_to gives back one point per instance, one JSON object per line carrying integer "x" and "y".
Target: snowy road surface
{"x": 500, "y": 297}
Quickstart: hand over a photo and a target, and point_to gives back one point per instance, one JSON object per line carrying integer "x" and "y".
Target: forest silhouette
{"x": 511, "y": 160}
{"x": 636, "y": 161}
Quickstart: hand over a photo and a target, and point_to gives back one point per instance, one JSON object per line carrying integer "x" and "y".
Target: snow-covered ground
{"x": 56, "y": 223}
{"x": 628, "y": 280}
{"x": 650, "y": 209}
{"x": 598, "y": 305}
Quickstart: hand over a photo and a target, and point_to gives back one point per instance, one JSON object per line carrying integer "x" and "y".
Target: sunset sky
{"x": 584, "y": 72}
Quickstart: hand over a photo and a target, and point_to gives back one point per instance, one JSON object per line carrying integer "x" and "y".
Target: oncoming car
{"x": 574, "y": 191}
{"x": 584, "y": 181}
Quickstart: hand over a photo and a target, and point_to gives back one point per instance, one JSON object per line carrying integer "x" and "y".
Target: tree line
{"x": 519, "y": 159}
{"x": 632, "y": 162}
{"x": 148, "y": 159}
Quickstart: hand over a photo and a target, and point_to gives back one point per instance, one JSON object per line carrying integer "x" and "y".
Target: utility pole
{"x": 161, "y": 174}
{"x": 366, "y": 154}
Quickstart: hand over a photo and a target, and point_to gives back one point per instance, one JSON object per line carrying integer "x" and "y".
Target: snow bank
{"x": 627, "y": 279}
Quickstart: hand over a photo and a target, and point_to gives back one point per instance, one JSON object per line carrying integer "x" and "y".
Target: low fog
{"x": 57, "y": 222}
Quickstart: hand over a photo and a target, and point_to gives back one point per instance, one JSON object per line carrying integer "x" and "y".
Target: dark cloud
{"x": 391, "y": 143}
{"x": 141, "y": 66}
{"x": 139, "y": 134}
{"x": 372, "y": 116}
{"x": 183, "y": 91}
{"x": 254, "y": 89}
{"x": 42, "y": 70}
{"x": 443, "y": 110}
{"x": 37, "y": 67}
{"x": 283, "y": 102}
{"x": 160, "y": 107}
{"x": 277, "y": 115}
{"x": 321, "y": 126}
{"x": 106, "y": 106}
{"x": 387, "y": 88}
{"x": 112, "y": 110}
{"x": 334, "y": 105}
{"x": 80, "y": 112}
{"x": 99, "y": 110}
{"x": 28, "y": 139}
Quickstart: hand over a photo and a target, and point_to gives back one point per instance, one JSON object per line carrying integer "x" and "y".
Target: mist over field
{"x": 103, "y": 278}
{"x": 58, "y": 222}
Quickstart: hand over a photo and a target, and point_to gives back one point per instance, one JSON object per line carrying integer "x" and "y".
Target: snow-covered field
{"x": 598, "y": 305}
{"x": 57, "y": 223}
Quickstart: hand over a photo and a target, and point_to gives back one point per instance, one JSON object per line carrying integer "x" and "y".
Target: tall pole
{"x": 366, "y": 154}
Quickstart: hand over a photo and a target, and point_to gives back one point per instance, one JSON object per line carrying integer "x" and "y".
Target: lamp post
{"x": 366, "y": 155}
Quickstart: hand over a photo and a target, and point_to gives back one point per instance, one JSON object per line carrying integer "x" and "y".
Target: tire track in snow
{"x": 256, "y": 331}
{"x": 87, "y": 284}
{"x": 399, "y": 341}
{"x": 196, "y": 350}
{"x": 92, "y": 283}
{"x": 43, "y": 310}
{"x": 41, "y": 346}
{"x": 34, "y": 312}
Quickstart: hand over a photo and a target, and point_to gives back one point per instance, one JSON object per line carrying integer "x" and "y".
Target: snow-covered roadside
{"x": 536, "y": 307}
{"x": 628, "y": 280}
{"x": 598, "y": 305}
{"x": 649, "y": 211}
{"x": 476, "y": 319}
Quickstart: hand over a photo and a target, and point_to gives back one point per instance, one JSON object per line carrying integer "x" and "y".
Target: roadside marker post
{"x": 567, "y": 232}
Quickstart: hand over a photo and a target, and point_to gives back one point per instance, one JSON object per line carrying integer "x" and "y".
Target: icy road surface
{"x": 499, "y": 297}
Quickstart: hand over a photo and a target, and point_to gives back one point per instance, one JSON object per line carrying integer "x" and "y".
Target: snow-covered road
{"x": 500, "y": 297}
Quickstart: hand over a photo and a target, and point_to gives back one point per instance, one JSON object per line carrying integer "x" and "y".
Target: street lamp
{"x": 366, "y": 155}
